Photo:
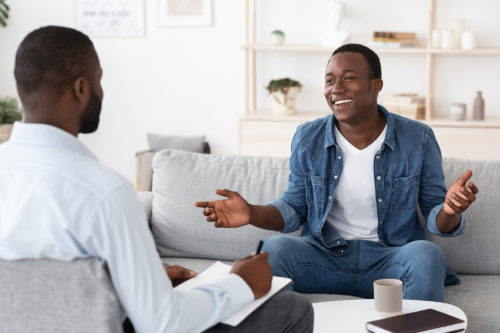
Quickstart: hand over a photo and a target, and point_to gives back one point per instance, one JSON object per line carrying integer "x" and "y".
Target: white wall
{"x": 189, "y": 80}
{"x": 178, "y": 81}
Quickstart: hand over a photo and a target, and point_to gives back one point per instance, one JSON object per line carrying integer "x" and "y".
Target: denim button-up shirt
{"x": 407, "y": 172}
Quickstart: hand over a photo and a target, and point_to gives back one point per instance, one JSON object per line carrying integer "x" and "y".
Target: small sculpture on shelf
{"x": 334, "y": 36}
{"x": 284, "y": 92}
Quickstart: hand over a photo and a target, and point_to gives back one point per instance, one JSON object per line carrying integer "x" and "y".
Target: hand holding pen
{"x": 255, "y": 271}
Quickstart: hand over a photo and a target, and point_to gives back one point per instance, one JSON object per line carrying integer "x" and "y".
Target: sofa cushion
{"x": 182, "y": 178}
{"x": 477, "y": 250}
{"x": 477, "y": 296}
{"x": 57, "y": 296}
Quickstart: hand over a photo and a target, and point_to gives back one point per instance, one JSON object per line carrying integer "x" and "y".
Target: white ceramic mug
{"x": 388, "y": 295}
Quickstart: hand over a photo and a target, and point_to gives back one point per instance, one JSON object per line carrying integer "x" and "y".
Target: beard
{"x": 90, "y": 116}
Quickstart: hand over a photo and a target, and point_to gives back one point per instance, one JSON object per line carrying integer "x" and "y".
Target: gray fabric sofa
{"x": 184, "y": 237}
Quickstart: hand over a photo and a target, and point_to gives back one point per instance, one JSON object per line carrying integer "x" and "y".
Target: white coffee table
{"x": 351, "y": 315}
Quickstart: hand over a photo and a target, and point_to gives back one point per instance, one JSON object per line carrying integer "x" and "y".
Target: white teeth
{"x": 343, "y": 101}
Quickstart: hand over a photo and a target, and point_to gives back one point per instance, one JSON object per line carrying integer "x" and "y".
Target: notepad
{"x": 218, "y": 271}
{"x": 429, "y": 320}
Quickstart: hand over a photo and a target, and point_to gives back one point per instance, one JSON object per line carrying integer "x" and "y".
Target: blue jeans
{"x": 419, "y": 264}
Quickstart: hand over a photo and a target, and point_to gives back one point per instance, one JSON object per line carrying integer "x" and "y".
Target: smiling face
{"x": 350, "y": 89}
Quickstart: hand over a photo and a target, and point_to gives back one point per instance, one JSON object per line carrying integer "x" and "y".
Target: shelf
{"x": 468, "y": 123}
{"x": 320, "y": 48}
{"x": 298, "y": 117}
{"x": 436, "y": 122}
{"x": 485, "y": 51}
{"x": 405, "y": 50}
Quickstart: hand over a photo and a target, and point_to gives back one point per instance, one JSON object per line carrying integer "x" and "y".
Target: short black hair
{"x": 370, "y": 56}
{"x": 51, "y": 57}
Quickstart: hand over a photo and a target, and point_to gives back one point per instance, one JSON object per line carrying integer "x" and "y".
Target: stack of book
{"x": 407, "y": 105}
{"x": 389, "y": 39}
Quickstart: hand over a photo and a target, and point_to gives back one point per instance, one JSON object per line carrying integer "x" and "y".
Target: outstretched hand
{"x": 460, "y": 195}
{"x": 232, "y": 212}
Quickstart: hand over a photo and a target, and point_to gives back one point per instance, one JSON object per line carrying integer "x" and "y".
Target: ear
{"x": 377, "y": 85}
{"x": 81, "y": 90}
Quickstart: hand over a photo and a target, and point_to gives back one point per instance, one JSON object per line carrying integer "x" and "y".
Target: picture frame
{"x": 110, "y": 18}
{"x": 173, "y": 13}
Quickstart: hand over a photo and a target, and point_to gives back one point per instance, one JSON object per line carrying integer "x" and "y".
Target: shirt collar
{"x": 389, "y": 136}
{"x": 47, "y": 135}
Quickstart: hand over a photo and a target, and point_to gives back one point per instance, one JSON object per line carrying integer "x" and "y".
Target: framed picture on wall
{"x": 110, "y": 18}
{"x": 185, "y": 12}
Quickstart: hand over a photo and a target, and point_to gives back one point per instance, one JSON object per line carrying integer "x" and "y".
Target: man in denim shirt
{"x": 356, "y": 179}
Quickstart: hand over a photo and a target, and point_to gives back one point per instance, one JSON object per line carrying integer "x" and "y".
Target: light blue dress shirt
{"x": 57, "y": 201}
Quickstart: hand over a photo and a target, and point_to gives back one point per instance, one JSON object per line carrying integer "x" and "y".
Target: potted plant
{"x": 4, "y": 13}
{"x": 284, "y": 92}
{"x": 277, "y": 37}
{"x": 9, "y": 113}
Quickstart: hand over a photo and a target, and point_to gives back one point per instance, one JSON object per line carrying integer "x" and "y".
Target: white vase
{"x": 284, "y": 103}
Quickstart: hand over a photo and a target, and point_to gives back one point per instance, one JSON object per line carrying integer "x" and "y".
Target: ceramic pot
{"x": 5, "y": 130}
{"x": 284, "y": 103}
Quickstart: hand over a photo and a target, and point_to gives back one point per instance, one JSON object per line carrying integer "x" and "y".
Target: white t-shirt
{"x": 57, "y": 201}
{"x": 354, "y": 207}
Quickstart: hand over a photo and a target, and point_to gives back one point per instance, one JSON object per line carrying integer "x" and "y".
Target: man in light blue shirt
{"x": 57, "y": 201}
{"x": 356, "y": 179}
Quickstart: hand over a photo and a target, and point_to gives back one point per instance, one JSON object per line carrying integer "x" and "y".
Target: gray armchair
{"x": 57, "y": 296}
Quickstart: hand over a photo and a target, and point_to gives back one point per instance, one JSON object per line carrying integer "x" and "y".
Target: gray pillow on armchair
{"x": 157, "y": 142}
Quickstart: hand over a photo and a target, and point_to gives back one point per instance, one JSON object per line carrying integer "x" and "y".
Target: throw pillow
{"x": 189, "y": 143}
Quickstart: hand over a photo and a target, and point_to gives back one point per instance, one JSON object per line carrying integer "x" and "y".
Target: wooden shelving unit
{"x": 266, "y": 119}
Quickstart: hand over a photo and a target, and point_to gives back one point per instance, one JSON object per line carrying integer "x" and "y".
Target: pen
{"x": 259, "y": 247}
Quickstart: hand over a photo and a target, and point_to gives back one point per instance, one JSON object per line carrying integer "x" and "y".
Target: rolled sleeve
{"x": 289, "y": 215}
{"x": 432, "y": 226}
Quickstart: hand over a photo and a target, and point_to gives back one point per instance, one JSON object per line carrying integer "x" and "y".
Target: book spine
{"x": 391, "y": 34}
{"x": 397, "y": 40}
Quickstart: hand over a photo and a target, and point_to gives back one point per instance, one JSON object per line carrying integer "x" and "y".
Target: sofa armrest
{"x": 144, "y": 170}
{"x": 146, "y": 198}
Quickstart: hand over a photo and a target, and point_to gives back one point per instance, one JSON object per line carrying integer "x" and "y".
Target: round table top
{"x": 352, "y": 315}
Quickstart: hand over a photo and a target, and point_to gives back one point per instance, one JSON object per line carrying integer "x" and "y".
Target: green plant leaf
{"x": 9, "y": 110}
{"x": 4, "y": 13}
{"x": 282, "y": 84}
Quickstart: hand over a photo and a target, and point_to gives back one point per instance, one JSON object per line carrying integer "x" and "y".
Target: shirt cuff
{"x": 289, "y": 215}
{"x": 432, "y": 226}
{"x": 240, "y": 292}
